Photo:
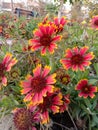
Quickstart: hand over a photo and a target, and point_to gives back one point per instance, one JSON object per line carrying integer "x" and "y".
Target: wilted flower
{"x": 62, "y": 76}
{"x": 36, "y": 87}
{"x": 44, "y": 39}
{"x": 86, "y": 89}
{"x": 77, "y": 58}
{"x": 24, "y": 119}
{"x": 14, "y": 74}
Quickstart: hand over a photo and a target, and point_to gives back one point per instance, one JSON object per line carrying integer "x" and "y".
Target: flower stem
{"x": 72, "y": 120}
{"x": 62, "y": 125}
{"x": 89, "y": 122}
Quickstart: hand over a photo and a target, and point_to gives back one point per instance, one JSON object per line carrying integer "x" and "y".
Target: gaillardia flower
{"x": 36, "y": 87}
{"x": 62, "y": 77}
{"x": 44, "y": 39}
{"x": 45, "y": 20}
{"x": 5, "y": 66}
{"x": 76, "y": 58}
{"x": 51, "y": 103}
{"x": 66, "y": 102}
{"x": 24, "y": 119}
{"x": 59, "y": 23}
{"x": 94, "y": 22}
{"x": 14, "y": 74}
{"x": 86, "y": 89}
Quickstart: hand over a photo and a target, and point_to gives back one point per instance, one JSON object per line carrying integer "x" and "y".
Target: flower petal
{"x": 46, "y": 71}
{"x": 51, "y": 79}
{"x": 37, "y": 70}
{"x": 4, "y": 81}
{"x": 83, "y": 50}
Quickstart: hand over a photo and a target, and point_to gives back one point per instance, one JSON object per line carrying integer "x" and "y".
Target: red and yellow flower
{"x": 94, "y": 22}
{"x": 59, "y": 23}
{"x": 76, "y": 58}
{"x": 51, "y": 103}
{"x": 5, "y": 66}
{"x": 86, "y": 89}
{"x": 66, "y": 102}
{"x": 44, "y": 39}
{"x": 45, "y": 20}
{"x": 36, "y": 87}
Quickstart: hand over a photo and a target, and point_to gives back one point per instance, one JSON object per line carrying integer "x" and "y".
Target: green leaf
{"x": 87, "y": 102}
{"x": 93, "y": 81}
{"x": 85, "y": 109}
{"x": 96, "y": 67}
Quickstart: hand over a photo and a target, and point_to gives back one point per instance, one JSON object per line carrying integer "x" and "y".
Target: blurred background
{"x": 69, "y": 8}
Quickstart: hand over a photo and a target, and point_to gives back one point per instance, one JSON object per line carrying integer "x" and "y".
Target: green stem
{"x": 89, "y": 122}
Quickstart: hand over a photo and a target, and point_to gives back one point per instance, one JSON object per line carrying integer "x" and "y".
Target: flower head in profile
{"x": 76, "y": 58}
{"x": 66, "y": 102}
{"x": 24, "y": 119}
{"x": 94, "y": 22}
{"x": 86, "y": 89}
{"x": 36, "y": 87}
{"x": 44, "y": 38}
{"x": 59, "y": 23}
{"x": 45, "y": 20}
{"x": 51, "y": 103}
{"x": 5, "y": 66}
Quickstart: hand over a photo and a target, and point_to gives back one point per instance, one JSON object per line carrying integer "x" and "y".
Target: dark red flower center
{"x": 77, "y": 59}
{"x": 96, "y": 22}
{"x": 2, "y": 69}
{"x": 45, "y": 40}
{"x": 38, "y": 83}
{"x": 86, "y": 89}
{"x": 47, "y": 103}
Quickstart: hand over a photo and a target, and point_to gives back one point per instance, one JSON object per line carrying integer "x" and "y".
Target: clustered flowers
{"x": 41, "y": 94}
